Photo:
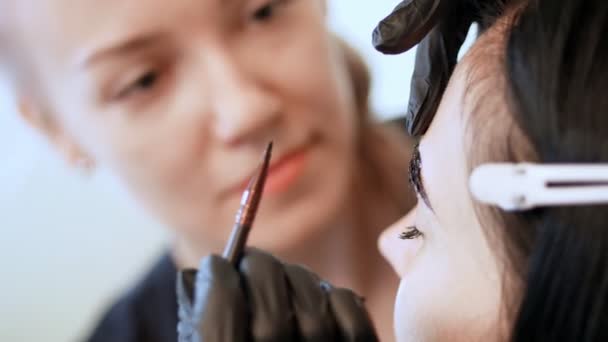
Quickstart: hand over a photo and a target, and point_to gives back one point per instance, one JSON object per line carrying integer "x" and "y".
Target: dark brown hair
{"x": 543, "y": 101}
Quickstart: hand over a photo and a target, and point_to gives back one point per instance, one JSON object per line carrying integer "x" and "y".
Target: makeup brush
{"x": 247, "y": 211}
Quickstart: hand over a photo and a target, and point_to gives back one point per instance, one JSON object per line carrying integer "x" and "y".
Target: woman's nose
{"x": 399, "y": 253}
{"x": 245, "y": 108}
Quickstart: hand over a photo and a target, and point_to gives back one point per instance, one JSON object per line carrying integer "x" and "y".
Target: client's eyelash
{"x": 414, "y": 176}
{"x": 410, "y": 233}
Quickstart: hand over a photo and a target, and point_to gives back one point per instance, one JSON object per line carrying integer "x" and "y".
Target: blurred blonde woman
{"x": 178, "y": 99}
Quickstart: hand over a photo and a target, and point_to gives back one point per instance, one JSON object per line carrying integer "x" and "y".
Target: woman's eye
{"x": 267, "y": 11}
{"x": 143, "y": 83}
{"x": 410, "y": 233}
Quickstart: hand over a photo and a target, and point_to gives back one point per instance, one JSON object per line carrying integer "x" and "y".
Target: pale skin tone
{"x": 451, "y": 275}
{"x": 178, "y": 100}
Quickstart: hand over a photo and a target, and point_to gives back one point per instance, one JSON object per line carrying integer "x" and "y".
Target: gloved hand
{"x": 266, "y": 300}
{"x": 442, "y": 25}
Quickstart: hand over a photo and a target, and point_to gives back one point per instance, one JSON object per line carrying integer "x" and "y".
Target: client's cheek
{"x": 398, "y": 252}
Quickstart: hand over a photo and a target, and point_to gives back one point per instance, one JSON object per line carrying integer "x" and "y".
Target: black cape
{"x": 147, "y": 312}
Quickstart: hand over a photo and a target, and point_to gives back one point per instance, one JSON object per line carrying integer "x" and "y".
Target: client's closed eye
{"x": 410, "y": 233}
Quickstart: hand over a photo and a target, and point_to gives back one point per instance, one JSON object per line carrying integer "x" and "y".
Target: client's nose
{"x": 399, "y": 253}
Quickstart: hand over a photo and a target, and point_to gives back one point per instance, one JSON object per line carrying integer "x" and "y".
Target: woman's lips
{"x": 284, "y": 172}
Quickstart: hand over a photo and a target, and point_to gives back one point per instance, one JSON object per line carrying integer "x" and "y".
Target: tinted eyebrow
{"x": 416, "y": 176}
{"x": 127, "y": 46}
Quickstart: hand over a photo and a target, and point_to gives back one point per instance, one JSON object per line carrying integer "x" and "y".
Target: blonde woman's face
{"x": 179, "y": 99}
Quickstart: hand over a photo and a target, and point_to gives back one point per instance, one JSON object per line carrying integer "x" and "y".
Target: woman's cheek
{"x": 402, "y": 255}
{"x": 411, "y": 313}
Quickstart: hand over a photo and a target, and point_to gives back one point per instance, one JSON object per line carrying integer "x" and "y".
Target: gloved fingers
{"x": 429, "y": 80}
{"x": 186, "y": 328}
{"x": 354, "y": 323}
{"x": 272, "y": 317}
{"x": 311, "y": 306}
{"x": 220, "y": 308}
{"x": 436, "y": 59}
{"x": 407, "y": 25}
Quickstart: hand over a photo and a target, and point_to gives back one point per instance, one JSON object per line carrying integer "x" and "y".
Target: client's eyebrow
{"x": 416, "y": 176}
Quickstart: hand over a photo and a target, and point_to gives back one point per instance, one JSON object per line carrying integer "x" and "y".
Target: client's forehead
{"x": 483, "y": 74}
{"x": 474, "y": 88}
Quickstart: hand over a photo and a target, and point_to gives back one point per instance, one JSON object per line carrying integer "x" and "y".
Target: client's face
{"x": 450, "y": 275}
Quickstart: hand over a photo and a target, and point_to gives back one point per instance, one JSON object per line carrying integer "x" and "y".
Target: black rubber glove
{"x": 441, "y": 27}
{"x": 266, "y": 300}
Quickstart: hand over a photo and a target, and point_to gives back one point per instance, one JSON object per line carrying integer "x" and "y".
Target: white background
{"x": 68, "y": 244}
